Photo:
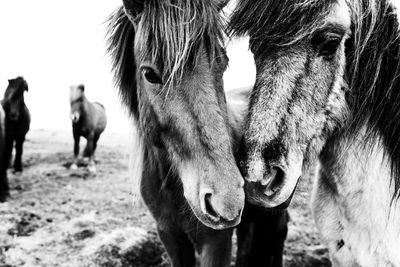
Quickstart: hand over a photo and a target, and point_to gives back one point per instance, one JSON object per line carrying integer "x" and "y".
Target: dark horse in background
{"x": 4, "y": 188}
{"x": 88, "y": 120}
{"x": 17, "y": 120}
{"x": 171, "y": 81}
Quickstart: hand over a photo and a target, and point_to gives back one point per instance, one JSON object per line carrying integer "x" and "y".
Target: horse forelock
{"x": 277, "y": 23}
{"x": 16, "y": 88}
{"x": 76, "y": 94}
{"x": 172, "y": 34}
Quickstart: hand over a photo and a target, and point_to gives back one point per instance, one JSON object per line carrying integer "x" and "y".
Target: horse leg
{"x": 95, "y": 140}
{"x": 178, "y": 246}
{"x": 261, "y": 236}
{"x": 215, "y": 248}
{"x": 244, "y": 233}
{"x": 8, "y": 152}
{"x": 90, "y": 153}
{"x": 77, "y": 138}
{"x": 270, "y": 232}
{"x": 4, "y": 187}
{"x": 19, "y": 142}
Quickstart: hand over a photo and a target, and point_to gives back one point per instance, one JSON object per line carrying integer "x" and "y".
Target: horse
{"x": 4, "y": 188}
{"x": 17, "y": 120}
{"x": 88, "y": 120}
{"x": 168, "y": 62}
{"x": 327, "y": 95}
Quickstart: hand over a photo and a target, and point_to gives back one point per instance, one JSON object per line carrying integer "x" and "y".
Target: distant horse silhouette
{"x": 328, "y": 88}
{"x": 171, "y": 81}
{"x": 88, "y": 120}
{"x": 17, "y": 120}
{"x": 4, "y": 189}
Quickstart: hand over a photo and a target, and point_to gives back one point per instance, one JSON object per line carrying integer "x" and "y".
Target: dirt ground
{"x": 60, "y": 217}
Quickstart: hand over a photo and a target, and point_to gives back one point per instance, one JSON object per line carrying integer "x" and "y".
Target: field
{"x": 60, "y": 217}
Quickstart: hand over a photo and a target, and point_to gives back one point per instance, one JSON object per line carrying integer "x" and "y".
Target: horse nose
{"x": 13, "y": 116}
{"x": 272, "y": 180}
{"x": 74, "y": 117}
{"x": 224, "y": 207}
{"x": 273, "y": 176}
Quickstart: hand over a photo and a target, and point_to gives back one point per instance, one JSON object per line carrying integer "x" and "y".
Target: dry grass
{"x": 59, "y": 217}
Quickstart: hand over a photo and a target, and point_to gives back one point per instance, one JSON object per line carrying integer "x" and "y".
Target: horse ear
{"x": 81, "y": 87}
{"x": 133, "y": 8}
{"x": 222, "y": 3}
{"x": 9, "y": 80}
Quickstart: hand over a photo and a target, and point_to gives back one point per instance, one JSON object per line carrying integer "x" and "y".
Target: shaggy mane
{"x": 16, "y": 87}
{"x": 121, "y": 37}
{"x": 373, "y": 54}
{"x": 170, "y": 33}
{"x": 277, "y": 23}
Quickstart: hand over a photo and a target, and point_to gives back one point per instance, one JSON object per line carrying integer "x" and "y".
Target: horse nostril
{"x": 13, "y": 116}
{"x": 273, "y": 181}
{"x": 209, "y": 210}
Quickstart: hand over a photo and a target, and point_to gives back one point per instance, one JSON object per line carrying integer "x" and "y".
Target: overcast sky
{"x": 54, "y": 44}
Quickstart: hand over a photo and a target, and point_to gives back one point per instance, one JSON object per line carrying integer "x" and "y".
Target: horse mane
{"x": 277, "y": 23}
{"x": 170, "y": 33}
{"x": 21, "y": 83}
{"x": 121, "y": 37}
{"x": 373, "y": 70}
{"x": 372, "y": 52}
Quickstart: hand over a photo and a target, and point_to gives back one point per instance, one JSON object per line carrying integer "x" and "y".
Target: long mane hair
{"x": 372, "y": 55}
{"x": 170, "y": 33}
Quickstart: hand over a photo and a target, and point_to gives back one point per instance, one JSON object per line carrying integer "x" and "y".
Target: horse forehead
{"x": 340, "y": 14}
{"x": 12, "y": 92}
{"x": 75, "y": 93}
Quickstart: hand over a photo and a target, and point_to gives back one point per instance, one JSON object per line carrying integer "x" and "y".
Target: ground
{"x": 60, "y": 217}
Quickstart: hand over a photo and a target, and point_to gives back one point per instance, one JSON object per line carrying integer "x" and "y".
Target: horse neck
{"x": 158, "y": 178}
{"x": 357, "y": 171}
{"x": 85, "y": 106}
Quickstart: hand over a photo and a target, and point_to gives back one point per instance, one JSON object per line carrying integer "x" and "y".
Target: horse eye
{"x": 326, "y": 43}
{"x": 329, "y": 48}
{"x": 151, "y": 76}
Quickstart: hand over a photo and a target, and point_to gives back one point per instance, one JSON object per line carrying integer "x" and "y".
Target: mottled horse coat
{"x": 169, "y": 60}
{"x": 88, "y": 120}
{"x": 17, "y": 120}
{"x": 328, "y": 88}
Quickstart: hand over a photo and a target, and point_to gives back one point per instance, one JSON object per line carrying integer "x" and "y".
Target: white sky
{"x": 55, "y": 44}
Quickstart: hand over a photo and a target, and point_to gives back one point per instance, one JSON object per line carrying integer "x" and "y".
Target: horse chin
{"x": 281, "y": 198}
{"x": 221, "y": 224}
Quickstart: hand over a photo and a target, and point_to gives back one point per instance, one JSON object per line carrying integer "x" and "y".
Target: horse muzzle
{"x": 74, "y": 117}
{"x": 221, "y": 210}
{"x": 271, "y": 184}
{"x": 14, "y": 116}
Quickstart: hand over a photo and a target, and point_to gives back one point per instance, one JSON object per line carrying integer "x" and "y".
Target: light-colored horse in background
{"x": 88, "y": 120}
